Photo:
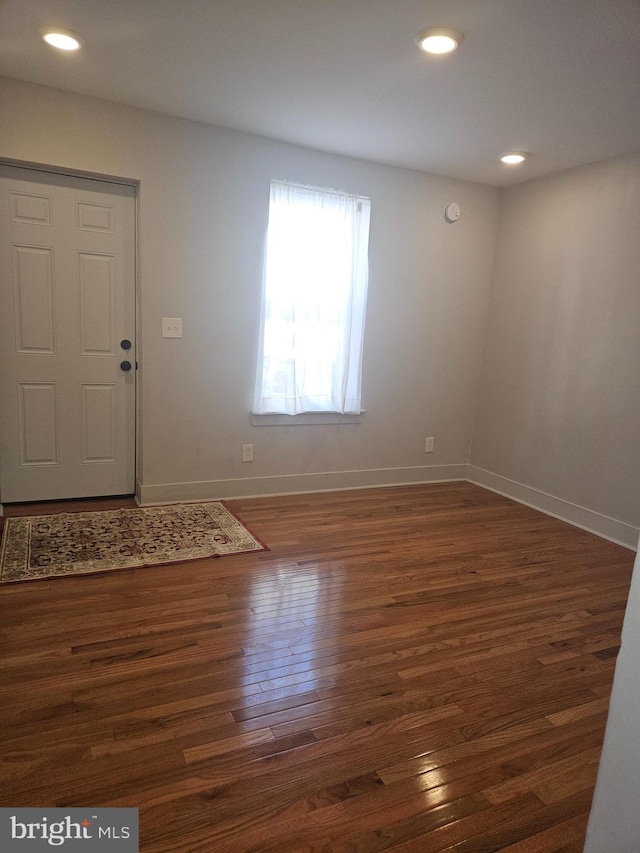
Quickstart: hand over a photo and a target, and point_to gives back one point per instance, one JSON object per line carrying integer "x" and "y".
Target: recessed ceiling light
{"x": 513, "y": 157}
{"x": 439, "y": 40}
{"x": 61, "y": 38}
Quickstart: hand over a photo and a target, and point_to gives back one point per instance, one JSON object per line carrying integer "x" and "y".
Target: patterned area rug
{"x": 45, "y": 546}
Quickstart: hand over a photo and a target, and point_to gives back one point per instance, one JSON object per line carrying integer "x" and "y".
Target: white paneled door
{"x": 67, "y": 337}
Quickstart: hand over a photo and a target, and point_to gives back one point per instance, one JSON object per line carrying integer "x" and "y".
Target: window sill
{"x": 306, "y": 419}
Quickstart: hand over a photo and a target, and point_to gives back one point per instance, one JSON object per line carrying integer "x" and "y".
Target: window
{"x": 314, "y": 302}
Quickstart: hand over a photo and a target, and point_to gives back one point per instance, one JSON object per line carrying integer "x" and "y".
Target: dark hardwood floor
{"x": 414, "y": 669}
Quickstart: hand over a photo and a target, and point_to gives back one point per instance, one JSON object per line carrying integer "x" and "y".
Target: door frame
{"x": 48, "y": 168}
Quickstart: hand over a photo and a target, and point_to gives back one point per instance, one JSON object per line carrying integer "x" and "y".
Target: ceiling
{"x": 557, "y": 78}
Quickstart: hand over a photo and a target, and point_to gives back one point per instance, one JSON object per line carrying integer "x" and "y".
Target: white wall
{"x": 614, "y": 823}
{"x": 558, "y": 417}
{"x": 203, "y": 208}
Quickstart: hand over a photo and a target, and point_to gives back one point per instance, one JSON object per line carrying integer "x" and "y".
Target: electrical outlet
{"x": 428, "y": 445}
{"x": 172, "y": 327}
{"x": 247, "y": 452}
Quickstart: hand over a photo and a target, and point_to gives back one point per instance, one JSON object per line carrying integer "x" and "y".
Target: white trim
{"x": 69, "y": 172}
{"x": 134, "y": 184}
{"x": 291, "y": 484}
{"x": 579, "y": 516}
{"x": 335, "y": 481}
{"x": 306, "y": 419}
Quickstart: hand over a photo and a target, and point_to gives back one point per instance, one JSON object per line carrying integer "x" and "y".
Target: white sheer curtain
{"x": 314, "y": 302}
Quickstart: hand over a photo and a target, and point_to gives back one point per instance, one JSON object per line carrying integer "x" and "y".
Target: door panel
{"x": 98, "y": 422}
{"x": 33, "y": 299}
{"x": 67, "y": 300}
{"x": 97, "y": 303}
{"x": 38, "y": 423}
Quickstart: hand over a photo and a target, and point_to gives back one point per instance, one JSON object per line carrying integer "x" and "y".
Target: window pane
{"x": 314, "y": 302}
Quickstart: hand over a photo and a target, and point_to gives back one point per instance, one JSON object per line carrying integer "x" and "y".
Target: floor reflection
{"x": 286, "y": 614}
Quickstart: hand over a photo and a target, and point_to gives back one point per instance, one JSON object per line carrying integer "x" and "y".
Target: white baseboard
{"x": 291, "y": 484}
{"x": 587, "y": 519}
{"x": 287, "y": 484}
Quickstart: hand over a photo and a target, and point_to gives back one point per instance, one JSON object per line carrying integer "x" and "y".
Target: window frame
{"x": 345, "y": 390}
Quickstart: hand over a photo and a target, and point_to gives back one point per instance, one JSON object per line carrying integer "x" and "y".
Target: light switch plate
{"x": 172, "y": 327}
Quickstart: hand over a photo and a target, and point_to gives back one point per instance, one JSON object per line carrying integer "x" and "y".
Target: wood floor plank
{"x": 562, "y": 838}
{"x": 415, "y": 669}
{"x": 427, "y": 836}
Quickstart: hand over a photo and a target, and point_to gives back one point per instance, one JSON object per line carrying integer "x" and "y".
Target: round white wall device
{"x": 452, "y": 212}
